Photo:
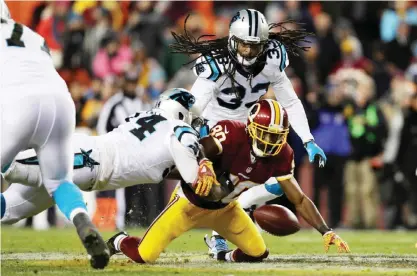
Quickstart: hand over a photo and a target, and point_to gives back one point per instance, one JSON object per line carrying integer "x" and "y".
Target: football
{"x": 276, "y": 220}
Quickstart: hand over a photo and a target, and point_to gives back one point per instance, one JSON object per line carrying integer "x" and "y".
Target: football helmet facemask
{"x": 268, "y": 127}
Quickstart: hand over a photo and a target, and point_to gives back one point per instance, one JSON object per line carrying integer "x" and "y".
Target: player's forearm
{"x": 203, "y": 91}
{"x": 286, "y": 96}
{"x": 298, "y": 120}
{"x": 185, "y": 161}
{"x": 309, "y": 212}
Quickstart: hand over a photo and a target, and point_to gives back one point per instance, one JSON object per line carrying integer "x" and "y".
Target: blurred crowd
{"x": 358, "y": 84}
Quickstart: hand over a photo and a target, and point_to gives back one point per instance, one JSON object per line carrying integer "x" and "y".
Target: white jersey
{"x": 142, "y": 150}
{"x": 24, "y": 55}
{"x": 217, "y": 99}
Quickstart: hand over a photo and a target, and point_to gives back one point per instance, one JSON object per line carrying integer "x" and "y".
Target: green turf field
{"x": 58, "y": 252}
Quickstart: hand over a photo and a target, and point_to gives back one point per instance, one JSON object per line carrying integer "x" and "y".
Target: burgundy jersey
{"x": 245, "y": 169}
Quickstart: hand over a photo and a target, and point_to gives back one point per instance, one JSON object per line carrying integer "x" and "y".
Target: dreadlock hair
{"x": 217, "y": 48}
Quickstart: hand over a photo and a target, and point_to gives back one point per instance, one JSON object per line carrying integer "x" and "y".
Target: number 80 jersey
{"x": 218, "y": 99}
{"x": 24, "y": 55}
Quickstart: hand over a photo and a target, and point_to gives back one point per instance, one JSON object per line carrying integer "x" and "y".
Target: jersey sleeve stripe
{"x": 215, "y": 71}
{"x": 29, "y": 161}
{"x": 283, "y": 58}
{"x": 181, "y": 130}
{"x": 284, "y": 177}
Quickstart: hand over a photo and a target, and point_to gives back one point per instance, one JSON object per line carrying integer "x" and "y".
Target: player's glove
{"x": 330, "y": 238}
{"x": 315, "y": 154}
{"x": 206, "y": 178}
{"x": 200, "y": 125}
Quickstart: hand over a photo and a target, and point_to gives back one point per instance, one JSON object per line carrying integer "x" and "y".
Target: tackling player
{"x": 246, "y": 155}
{"x": 37, "y": 112}
{"x": 142, "y": 150}
{"x": 234, "y": 72}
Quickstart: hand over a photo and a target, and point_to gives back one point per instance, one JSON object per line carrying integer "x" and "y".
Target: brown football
{"x": 276, "y": 220}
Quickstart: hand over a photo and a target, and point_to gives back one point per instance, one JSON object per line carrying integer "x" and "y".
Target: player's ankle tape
{"x": 225, "y": 256}
{"x": 118, "y": 240}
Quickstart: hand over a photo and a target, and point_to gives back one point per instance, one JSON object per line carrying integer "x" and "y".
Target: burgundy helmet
{"x": 268, "y": 127}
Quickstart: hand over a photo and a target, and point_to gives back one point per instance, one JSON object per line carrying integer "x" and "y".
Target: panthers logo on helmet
{"x": 235, "y": 17}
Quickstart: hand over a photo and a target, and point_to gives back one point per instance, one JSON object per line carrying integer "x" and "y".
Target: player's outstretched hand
{"x": 315, "y": 154}
{"x": 330, "y": 238}
{"x": 206, "y": 178}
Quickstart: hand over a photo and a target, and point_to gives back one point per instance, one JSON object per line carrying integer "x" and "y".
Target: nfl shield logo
{"x": 248, "y": 169}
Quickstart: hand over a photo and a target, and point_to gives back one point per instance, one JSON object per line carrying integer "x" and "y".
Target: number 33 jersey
{"x": 24, "y": 55}
{"x": 218, "y": 99}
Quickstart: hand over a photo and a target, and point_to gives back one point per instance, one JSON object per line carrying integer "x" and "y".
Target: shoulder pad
{"x": 276, "y": 55}
{"x": 210, "y": 68}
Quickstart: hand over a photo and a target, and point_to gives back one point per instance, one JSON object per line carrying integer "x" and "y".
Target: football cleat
{"x": 96, "y": 248}
{"x": 215, "y": 244}
{"x": 110, "y": 243}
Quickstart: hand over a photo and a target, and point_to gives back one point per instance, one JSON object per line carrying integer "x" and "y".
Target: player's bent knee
{"x": 148, "y": 254}
{"x": 258, "y": 250}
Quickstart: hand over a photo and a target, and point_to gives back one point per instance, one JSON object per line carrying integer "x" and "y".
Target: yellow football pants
{"x": 181, "y": 215}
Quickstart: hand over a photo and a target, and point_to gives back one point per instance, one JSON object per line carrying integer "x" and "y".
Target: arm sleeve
{"x": 203, "y": 91}
{"x": 185, "y": 150}
{"x": 289, "y": 173}
{"x": 285, "y": 164}
{"x": 286, "y": 96}
{"x": 208, "y": 71}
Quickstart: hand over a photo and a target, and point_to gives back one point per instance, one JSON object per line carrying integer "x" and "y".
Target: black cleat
{"x": 96, "y": 247}
{"x": 110, "y": 243}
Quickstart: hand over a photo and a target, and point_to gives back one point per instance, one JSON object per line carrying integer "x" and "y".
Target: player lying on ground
{"x": 246, "y": 156}
{"x": 142, "y": 150}
{"x": 37, "y": 112}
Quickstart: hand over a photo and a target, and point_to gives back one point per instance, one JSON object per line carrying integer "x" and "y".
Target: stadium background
{"x": 363, "y": 60}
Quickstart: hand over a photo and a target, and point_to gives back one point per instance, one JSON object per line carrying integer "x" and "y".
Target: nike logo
{"x": 225, "y": 130}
